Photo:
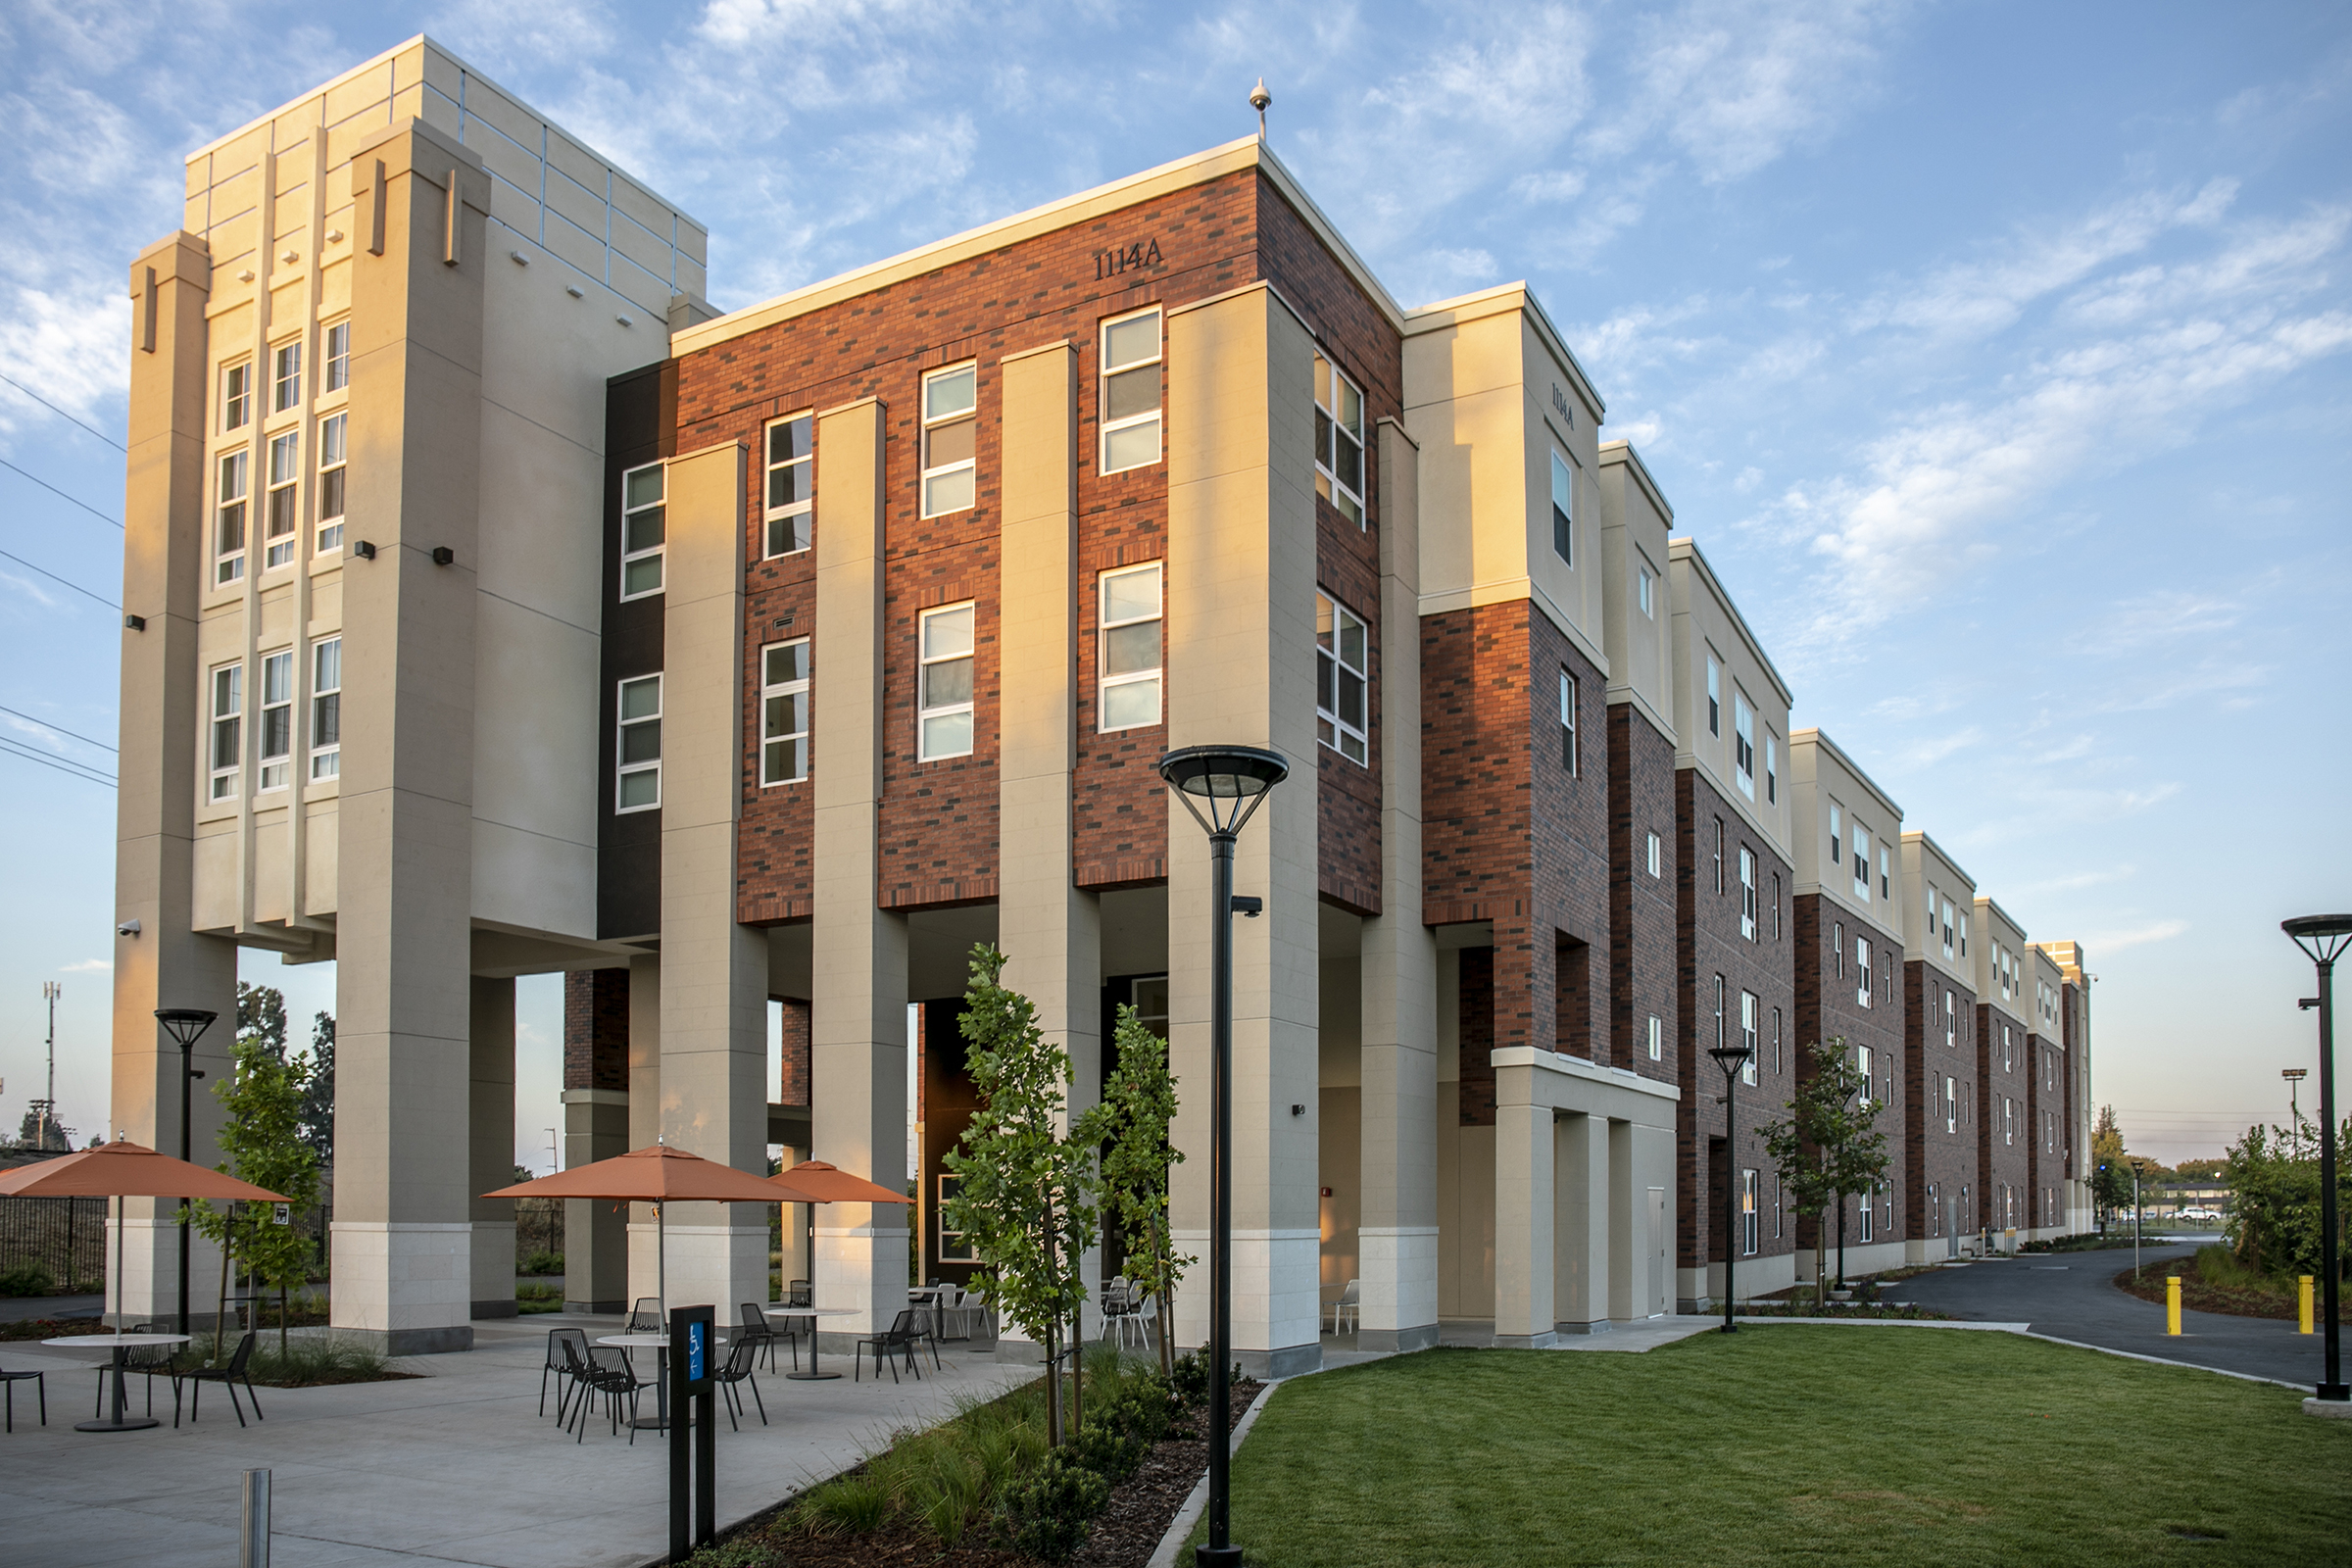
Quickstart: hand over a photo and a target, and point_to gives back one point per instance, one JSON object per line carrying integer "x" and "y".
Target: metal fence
{"x": 65, "y": 1235}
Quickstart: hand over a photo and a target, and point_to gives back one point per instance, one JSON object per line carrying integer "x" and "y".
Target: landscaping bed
{"x": 52, "y": 1328}
{"x": 1805, "y": 1308}
{"x": 2214, "y": 1282}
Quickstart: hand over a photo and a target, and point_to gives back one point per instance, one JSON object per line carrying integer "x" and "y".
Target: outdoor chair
{"x": 10, "y": 1380}
{"x": 645, "y": 1316}
{"x": 557, "y": 1366}
{"x": 926, "y": 1328}
{"x": 1119, "y": 1304}
{"x": 898, "y": 1338}
{"x": 606, "y": 1370}
{"x": 1348, "y": 1305}
{"x": 228, "y": 1376}
{"x": 756, "y": 1330}
{"x": 1128, "y": 1319}
{"x": 738, "y": 1369}
{"x": 801, "y": 1295}
{"x": 964, "y": 1306}
{"x": 149, "y": 1359}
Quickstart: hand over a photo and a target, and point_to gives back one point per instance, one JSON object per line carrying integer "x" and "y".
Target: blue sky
{"x": 1999, "y": 356}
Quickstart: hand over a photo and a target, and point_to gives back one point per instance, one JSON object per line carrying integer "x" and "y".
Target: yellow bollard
{"x": 2304, "y": 1307}
{"x": 2171, "y": 1304}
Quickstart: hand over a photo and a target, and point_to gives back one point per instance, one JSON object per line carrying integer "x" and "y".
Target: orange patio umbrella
{"x": 124, "y": 1169}
{"x": 812, "y": 1181}
{"x": 657, "y": 1175}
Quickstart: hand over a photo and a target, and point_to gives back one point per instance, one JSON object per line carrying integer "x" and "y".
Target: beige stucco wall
{"x": 1635, "y": 524}
{"x": 1706, "y": 619}
{"x": 1821, "y": 774}
{"x": 1924, "y": 865}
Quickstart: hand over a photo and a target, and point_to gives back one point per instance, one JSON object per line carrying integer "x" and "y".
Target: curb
{"x": 2159, "y": 1360}
{"x": 1888, "y": 1323}
{"x": 1171, "y": 1544}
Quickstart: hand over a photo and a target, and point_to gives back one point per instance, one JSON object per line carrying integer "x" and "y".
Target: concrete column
{"x": 1241, "y": 668}
{"x": 858, "y": 1012}
{"x": 1581, "y": 1276}
{"x": 1525, "y": 1147}
{"x": 1653, "y": 1199}
{"x": 490, "y": 1125}
{"x": 403, "y": 1226}
{"x": 1049, "y": 931}
{"x": 166, "y": 964}
{"x": 1626, "y": 1291}
{"x": 714, "y": 1004}
{"x": 1397, "y": 1240}
{"x": 645, "y": 1114}
{"x": 595, "y": 1247}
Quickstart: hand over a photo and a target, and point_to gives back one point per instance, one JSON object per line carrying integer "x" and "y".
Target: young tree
{"x": 319, "y": 1092}
{"x": 1829, "y": 1145}
{"x": 263, "y": 1141}
{"x": 2110, "y": 1164}
{"x": 1131, "y": 1124}
{"x": 1026, "y": 1192}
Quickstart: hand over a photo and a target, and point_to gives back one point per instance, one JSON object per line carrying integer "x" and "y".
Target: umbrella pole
{"x": 662, "y": 1265}
{"x": 117, "y": 1267}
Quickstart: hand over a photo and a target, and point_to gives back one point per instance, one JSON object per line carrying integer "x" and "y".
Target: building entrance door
{"x": 1659, "y": 1241}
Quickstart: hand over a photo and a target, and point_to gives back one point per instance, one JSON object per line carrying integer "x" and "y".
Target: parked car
{"x": 2207, "y": 1216}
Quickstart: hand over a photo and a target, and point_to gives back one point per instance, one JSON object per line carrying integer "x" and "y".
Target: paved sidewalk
{"x": 453, "y": 1467}
{"x": 18, "y": 1308}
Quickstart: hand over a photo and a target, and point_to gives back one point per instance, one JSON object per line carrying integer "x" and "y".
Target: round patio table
{"x": 657, "y": 1342}
{"x": 813, "y": 1375}
{"x": 121, "y": 1345}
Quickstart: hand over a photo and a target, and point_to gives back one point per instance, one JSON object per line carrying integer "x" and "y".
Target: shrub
{"x": 1108, "y": 1448}
{"x": 537, "y": 1298}
{"x": 28, "y": 1278}
{"x": 748, "y": 1550}
{"x": 945, "y": 1491}
{"x": 853, "y": 1504}
{"x": 1140, "y": 1408}
{"x": 1047, "y": 1513}
{"x": 1189, "y": 1379}
{"x": 542, "y": 1263}
{"x": 316, "y": 1360}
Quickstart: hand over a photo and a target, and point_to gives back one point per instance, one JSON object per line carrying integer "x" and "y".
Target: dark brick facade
{"x": 2045, "y": 1119}
{"x": 2004, "y": 1143}
{"x": 1939, "y": 1177}
{"x": 792, "y": 1078}
{"x": 1829, "y": 1004}
{"x": 1643, "y": 981}
{"x": 595, "y": 1029}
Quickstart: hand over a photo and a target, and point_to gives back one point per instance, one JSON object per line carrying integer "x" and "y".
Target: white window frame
{"x": 1885, "y": 871}
{"x": 232, "y": 507}
{"x": 928, "y": 657}
{"x": 1334, "y": 396}
{"x": 1776, "y": 1041}
{"x": 1772, "y": 768}
{"x": 1749, "y": 924}
{"x": 1657, "y": 1039}
{"x": 1751, "y": 1014}
{"x": 1863, "y": 1063}
{"x": 338, "y": 357}
{"x": 1951, "y": 1105}
{"x": 1719, "y": 1007}
{"x": 1563, "y": 509}
{"x": 1714, "y": 695}
{"x": 1837, "y": 848}
{"x": 962, "y": 1252}
{"x": 1647, "y": 589}
{"x": 1951, "y": 1020}
{"x": 938, "y": 479}
{"x": 656, "y": 551}
{"x": 795, "y": 518}
{"x": 1571, "y": 693}
{"x": 274, "y": 727}
{"x": 624, "y": 770}
{"x": 326, "y": 709}
{"x": 1862, "y": 971}
{"x": 1868, "y": 1213}
{"x": 334, "y": 473}
{"x": 1743, "y": 741}
{"x": 285, "y": 375}
{"x": 224, "y": 708}
{"x": 1749, "y": 1220}
{"x": 237, "y": 395}
{"x": 281, "y": 501}
{"x": 1861, "y": 866}
{"x": 1127, "y": 683}
{"x": 1656, "y": 856}
{"x": 772, "y": 733}
{"x": 1128, "y": 427}
{"x": 1351, "y": 740}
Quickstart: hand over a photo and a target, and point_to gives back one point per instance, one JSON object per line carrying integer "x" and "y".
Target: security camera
{"x": 129, "y": 928}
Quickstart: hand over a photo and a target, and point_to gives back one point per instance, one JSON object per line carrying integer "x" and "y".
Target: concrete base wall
{"x": 415, "y": 1273}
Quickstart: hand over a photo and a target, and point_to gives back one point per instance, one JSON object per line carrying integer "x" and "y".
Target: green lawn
{"x": 1787, "y": 1445}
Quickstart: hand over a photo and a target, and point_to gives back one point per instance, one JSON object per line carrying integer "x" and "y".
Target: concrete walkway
{"x": 452, "y": 1467}
{"x": 19, "y": 1308}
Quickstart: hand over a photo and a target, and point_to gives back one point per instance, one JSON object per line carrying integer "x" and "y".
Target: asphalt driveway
{"x": 2069, "y": 1295}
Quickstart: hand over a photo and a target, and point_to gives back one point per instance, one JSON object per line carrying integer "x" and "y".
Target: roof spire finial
{"x": 1258, "y": 99}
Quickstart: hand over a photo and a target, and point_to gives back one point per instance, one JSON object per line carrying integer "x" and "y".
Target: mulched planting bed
{"x": 2198, "y": 1296}
{"x": 52, "y": 1328}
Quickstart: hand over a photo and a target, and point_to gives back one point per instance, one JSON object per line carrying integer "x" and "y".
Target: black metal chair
{"x": 756, "y": 1329}
{"x": 645, "y": 1316}
{"x": 900, "y": 1337}
{"x": 926, "y": 1327}
{"x": 738, "y": 1370}
{"x": 228, "y": 1376}
{"x": 801, "y": 1295}
{"x": 558, "y": 1366}
{"x": 602, "y": 1369}
{"x": 10, "y": 1380}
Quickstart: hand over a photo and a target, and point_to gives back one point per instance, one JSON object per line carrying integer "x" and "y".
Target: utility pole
{"x": 50, "y": 992}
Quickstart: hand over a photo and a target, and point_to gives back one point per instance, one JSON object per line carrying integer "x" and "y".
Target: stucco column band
{"x": 1524, "y": 1214}
{"x": 1581, "y": 1271}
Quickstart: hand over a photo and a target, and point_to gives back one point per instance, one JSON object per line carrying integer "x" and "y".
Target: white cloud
{"x": 89, "y": 966}
{"x": 2166, "y": 616}
{"x": 2138, "y": 936}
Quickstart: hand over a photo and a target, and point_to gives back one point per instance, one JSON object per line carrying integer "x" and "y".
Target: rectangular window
{"x": 229, "y": 730}
{"x": 953, "y": 1248}
{"x": 1340, "y": 652}
{"x": 1867, "y": 1211}
{"x": 1747, "y": 1214}
{"x": 1862, "y": 974}
{"x": 1862, "y": 1064}
{"x": 1886, "y": 873}
{"x": 790, "y": 503}
{"x": 1951, "y": 1105}
{"x": 1656, "y": 857}
{"x": 285, "y": 467}
{"x": 1775, "y": 905}
{"x": 1719, "y": 854}
{"x": 1772, "y": 768}
{"x": 638, "y": 781}
{"x": 950, "y": 433}
{"x": 2008, "y": 1120}
{"x": 1837, "y": 948}
{"x": 1127, "y": 692}
{"x": 1568, "y": 695}
{"x": 229, "y": 521}
{"x": 1743, "y": 744}
{"x": 1339, "y": 440}
{"x": 1645, "y": 590}
{"x": 1951, "y": 1020}
{"x": 338, "y": 357}
{"x": 1657, "y": 1039}
{"x": 237, "y": 395}
{"x": 1563, "y": 495}
{"x": 1947, "y": 928}
{"x": 1748, "y": 923}
{"x": 1838, "y": 832}
{"x": 331, "y": 482}
{"x": 1131, "y": 392}
{"x": 784, "y": 712}
{"x": 1714, "y": 695}
{"x": 326, "y": 709}
{"x": 1776, "y": 1039}
{"x": 643, "y": 530}
{"x": 278, "y": 720}
{"x": 1861, "y": 863}
{"x": 946, "y": 719}
{"x": 1747, "y": 1036}
{"x": 285, "y": 376}
{"x": 1719, "y": 1037}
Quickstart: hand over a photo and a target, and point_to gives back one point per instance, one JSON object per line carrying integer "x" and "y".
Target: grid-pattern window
{"x": 237, "y": 395}
{"x": 1714, "y": 695}
{"x": 1568, "y": 700}
{"x": 1563, "y": 510}
{"x": 951, "y": 435}
{"x": 1719, "y": 854}
{"x": 228, "y": 749}
{"x": 326, "y": 709}
{"x": 790, "y": 494}
{"x": 1951, "y": 1019}
{"x": 1772, "y": 768}
{"x": 945, "y": 723}
{"x": 229, "y": 519}
{"x": 1131, "y": 353}
{"x": 784, "y": 712}
{"x": 1342, "y": 646}
{"x": 338, "y": 358}
{"x": 1862, "y": 972}
{"x": 1656, "y": 856}
{"x": 1743, "y": 744}
{"x": 954, "y": 1246}
{"x": 279, "y": 509}
{"x": 1747, "y": 1214}
{"x": 332, "y": 475}
{"x": 1862, "y": 1064}
{"x": 1748, "y": 1010}
{"x": 1127, "y": 689}
{"x": 1837, "y": 948}
{"x": 638, "y": 785}
{"x": 278, "y": 720}
{"x": 285, "y": 376}
{"x": 644, "y": 527}
{"x": 1748, "y": 923}
{"x": 1339, "y": 440}
{"x": 1951, "y": 1105}
{"x": 1861, "y": 863}
{"x": 1657, "y": 1039}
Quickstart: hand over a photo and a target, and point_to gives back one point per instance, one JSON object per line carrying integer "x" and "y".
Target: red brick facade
{"x": 1829, "y": 1004}
{"x": 595, "y": 1029}
{"x": 1643, "y": 977}
{"x": 2005, "y": 1129}
{"x": 1940, "y": 1184}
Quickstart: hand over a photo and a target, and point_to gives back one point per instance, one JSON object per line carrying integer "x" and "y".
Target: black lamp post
{"x": 184, "y": 1026}
{"x": 1230, "y": 781}
{"x": 2324, "y": 937}
{"x": 1731, "y": 1059}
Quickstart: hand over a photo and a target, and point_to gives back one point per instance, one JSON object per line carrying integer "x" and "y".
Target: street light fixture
{"x": 1229, "y": 781}
{"x": 2324, "y": 937}
{"x": 184, "y": 1026}
{"x": 1731, "y": 1059}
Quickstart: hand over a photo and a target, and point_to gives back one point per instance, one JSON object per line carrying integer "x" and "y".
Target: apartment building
{"x": 751, "y": 668}
{"x": 2005, "y": 1204}
{"x": 2073, "y": 1036}
{"x": 2049, "y": 1087}
{"x": 1848, "y": 935}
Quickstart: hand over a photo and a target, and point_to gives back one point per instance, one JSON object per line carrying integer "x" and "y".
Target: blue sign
{"x": 698, "y": 1351}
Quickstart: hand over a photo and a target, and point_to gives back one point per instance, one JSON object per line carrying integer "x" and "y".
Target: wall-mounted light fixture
{"x": 136, "y": 622}
{"x": 363, "y": 550}
{"x": 443, "y": 556}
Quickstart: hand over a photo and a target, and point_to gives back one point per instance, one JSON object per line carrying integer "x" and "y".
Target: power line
{"x": 60, "y": 729}
{"x": 55, "y": 491}
{"x": 76, "y": 769}
{"x": 63, "y": 415}
{"x": 61, "y": 582}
